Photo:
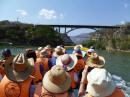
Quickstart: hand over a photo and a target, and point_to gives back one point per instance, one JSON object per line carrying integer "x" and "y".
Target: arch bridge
{"x": 69, "y": 28}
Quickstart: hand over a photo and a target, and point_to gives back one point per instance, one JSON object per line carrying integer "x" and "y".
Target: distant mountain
{"x": 80, "y": 38}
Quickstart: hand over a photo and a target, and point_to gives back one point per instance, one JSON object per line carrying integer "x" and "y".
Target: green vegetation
{"x": 28, "y": 34}
{"x": 121, "y": 43}
{"x": 97, "y": 44}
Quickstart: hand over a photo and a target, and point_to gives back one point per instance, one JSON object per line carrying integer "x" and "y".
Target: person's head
{"x": 95, "y": 59}
{"x": 47, "y": 47}
{"x": 57, "y": 80}
{"x": 100, "y": 83}
{"x": 18, "y": 68}
{"x": 90, "y": 51}
{"x": 44, "y": 53}
{"x": 58, "y": 52}
{"x": 78, "y": 46}
{"x": 77, "y": 51}
{"x": 6, "y": 53}
{"x": 30, "y": 53}
{"x": 40, "y": 48}
{"x": 67, "y": 61}
{"x": 92, "y": 47}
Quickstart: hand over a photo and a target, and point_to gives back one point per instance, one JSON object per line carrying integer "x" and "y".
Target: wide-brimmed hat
{"x": 100, "y": 83}
{"x": 47, "y": 47}
{"x": 44, "y": 53}
{"x": 58, "y": 52}
{"x": 60, "y": 47}
{"x": 18, "y": 68}
{"x": 91, "y": 50}
{"x": 78, "y": 46}
{"x": 40, "y": 48}
{"x": 57, "y": 80}
{"x": 94, "y": 59}
{"x": 67, "y": 61}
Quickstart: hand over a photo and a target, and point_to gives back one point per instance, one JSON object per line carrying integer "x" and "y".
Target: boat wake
{"x": 122, "y": 84}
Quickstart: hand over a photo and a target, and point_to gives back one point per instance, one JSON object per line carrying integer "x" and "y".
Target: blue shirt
{"x": 52, "y": 61}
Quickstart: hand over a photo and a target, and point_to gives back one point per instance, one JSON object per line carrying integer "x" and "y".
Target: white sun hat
{"x": 100, "y": 83}
{"x": 91, "y": 50}
{"x": 40, "y": 48}
{"x": 67, "y": 61}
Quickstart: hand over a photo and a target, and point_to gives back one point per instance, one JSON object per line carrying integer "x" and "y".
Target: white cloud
{"x": 61, "y": 16}
{"x": 122, "y": 22}
{"x": 126, "y": 5}
{"x": 22, "y": 12}
{"x": 48, "y": 14}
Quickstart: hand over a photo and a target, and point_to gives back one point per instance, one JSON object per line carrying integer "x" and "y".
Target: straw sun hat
{"x": 58, "y": 52}
{"x": 78, "y": 46}
{"x": 94, "y": 59}
{"x": 57, "y": 80}
{"x": 100, "y": 83}
{"x": 18, "y": 68}
{"x": 44, "y": 53}
{"x": 67, "y": 61}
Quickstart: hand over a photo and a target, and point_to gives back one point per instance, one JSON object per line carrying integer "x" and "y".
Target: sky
{"x": 77, "y": 12}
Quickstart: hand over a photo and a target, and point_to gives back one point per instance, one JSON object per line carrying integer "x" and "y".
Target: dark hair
{"x": 6, "y": 52}
{"x": 30, "y": 53}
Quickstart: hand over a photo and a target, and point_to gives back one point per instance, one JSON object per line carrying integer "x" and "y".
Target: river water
{"x": 117, "y": 63}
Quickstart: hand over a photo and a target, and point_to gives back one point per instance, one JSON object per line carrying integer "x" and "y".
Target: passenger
{"x": 38, "y": 52}
{"x": 77, "y": 52}
{"x": 18, "y": 78}
{"x": 49, "y": 49}
{"x": 94, "y": 61}
{"x": 57, "y": 52}
{"x": 6, "y": 53}
{"x": 30, "y": 53}
{"x": 80, "y": 64}
{"x": 100, "y": 84}
{"x": 89, "y": 52}
{"x": 92, "y": 47}
{"x": 68, "y": 62}
{"x": 44, "y": 61}
{"x": 62, "y": 47}
{"x": 78, "y": 46}
{"x": 56, "y": 83}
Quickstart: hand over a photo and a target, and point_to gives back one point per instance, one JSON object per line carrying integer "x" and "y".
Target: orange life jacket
{"x": 50, "y": 53}
{"x": 43, "y": 62}
{"x": 117, "y": 93}
{"x": 2, "y": 71}
{"x": 41, "y": 92}
{"x": 38, "y": 53}
{"x": 9, "y": 88}
{"x": 79, "y": 66}
{"x": 74, "y": 84}
{"x": 37, "y": 74}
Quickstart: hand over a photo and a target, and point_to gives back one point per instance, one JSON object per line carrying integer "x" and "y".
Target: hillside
{"x": 80, "y": 38}
{"x": 28, "y": 34}
{"x": 111, "y": 39}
